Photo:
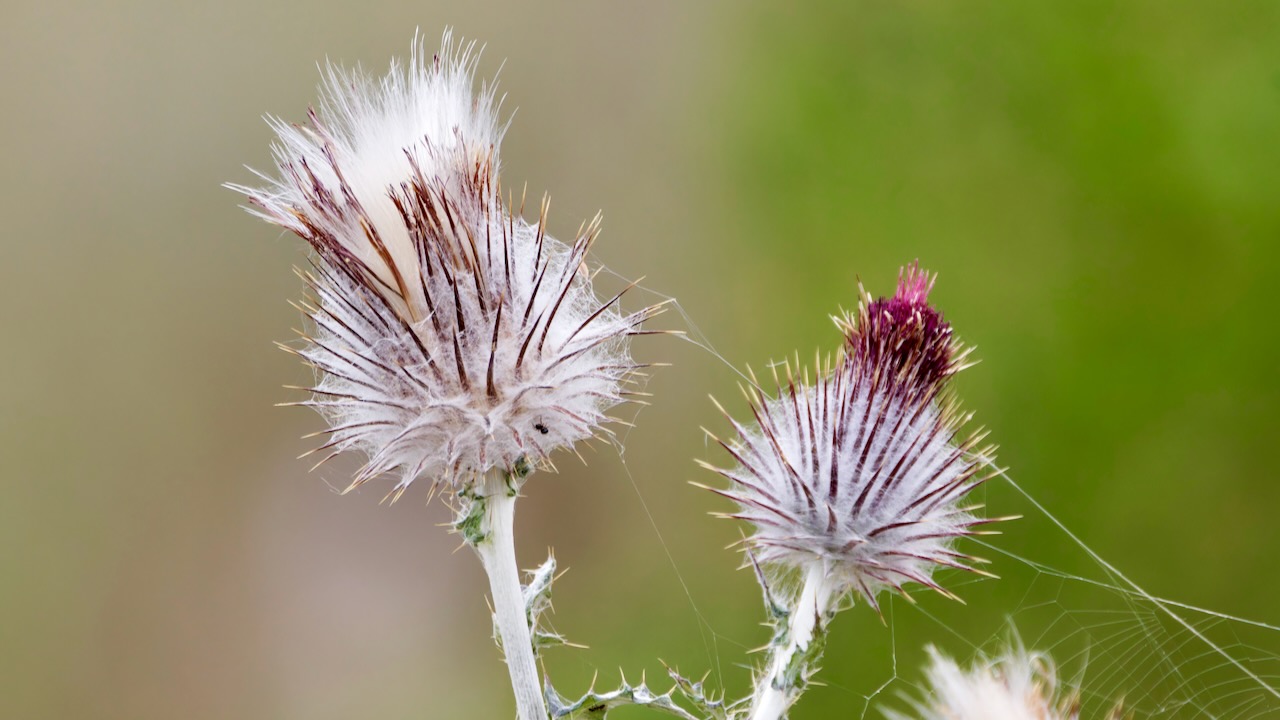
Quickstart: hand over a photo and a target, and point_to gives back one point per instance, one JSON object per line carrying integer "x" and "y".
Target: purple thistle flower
{"x": 863, "y": 472}
{"x": 905, "y": 335}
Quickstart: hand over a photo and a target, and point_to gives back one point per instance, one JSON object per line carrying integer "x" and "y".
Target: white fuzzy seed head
{"x": 450, "y": 336}
{"x": 1019, "y": 685}
{"x": 863, "y": 471}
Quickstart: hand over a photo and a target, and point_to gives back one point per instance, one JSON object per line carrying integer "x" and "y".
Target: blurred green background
{"x": 1095, "y": 181}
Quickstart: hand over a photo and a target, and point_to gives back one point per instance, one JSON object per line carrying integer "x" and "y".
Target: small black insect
{"x": 541, "y": 428}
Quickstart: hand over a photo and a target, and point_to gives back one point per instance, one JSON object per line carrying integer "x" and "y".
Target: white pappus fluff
{"x": 1018, "y": 685}
{"x": 450, "y": 336}
{"x": 863, "y": 472}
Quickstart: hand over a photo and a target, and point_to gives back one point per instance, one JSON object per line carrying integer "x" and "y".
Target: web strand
{"x": 1149, "y": 649}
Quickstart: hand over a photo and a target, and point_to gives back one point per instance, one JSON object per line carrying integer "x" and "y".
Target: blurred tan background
{"x": 1095, "y": 181}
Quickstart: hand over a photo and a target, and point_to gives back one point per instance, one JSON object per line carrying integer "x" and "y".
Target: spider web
{"x": 1114, "y": 642}
{"x": 1111, "y": 641}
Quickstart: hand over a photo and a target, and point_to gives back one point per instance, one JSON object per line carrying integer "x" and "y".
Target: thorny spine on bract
{"x": 418, "y": 378}
{"x": 450, "y": 336}
{"x": 854, "y": 480}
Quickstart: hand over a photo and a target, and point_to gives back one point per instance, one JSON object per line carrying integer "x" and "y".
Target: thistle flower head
{"x": 450, "y": 335}
{"x": 864, "y": 469}
{"x": 1018, "y": 685}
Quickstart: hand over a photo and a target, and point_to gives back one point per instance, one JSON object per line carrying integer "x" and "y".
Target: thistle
{"x": 1019, "y": 685}
{"x": 855, "y": 482}
{"x": 453, "y": 340}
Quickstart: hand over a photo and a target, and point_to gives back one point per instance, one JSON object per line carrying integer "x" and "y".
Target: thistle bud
{"x": 863, "y": 472}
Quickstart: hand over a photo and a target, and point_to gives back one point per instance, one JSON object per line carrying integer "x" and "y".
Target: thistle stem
{"x": 793, "y": 653}
{"x": 497, "y": 552}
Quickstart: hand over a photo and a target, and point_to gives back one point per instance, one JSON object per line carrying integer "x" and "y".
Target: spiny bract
{"x": 450, "y": 336}
{"x": 863, "y": 471}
